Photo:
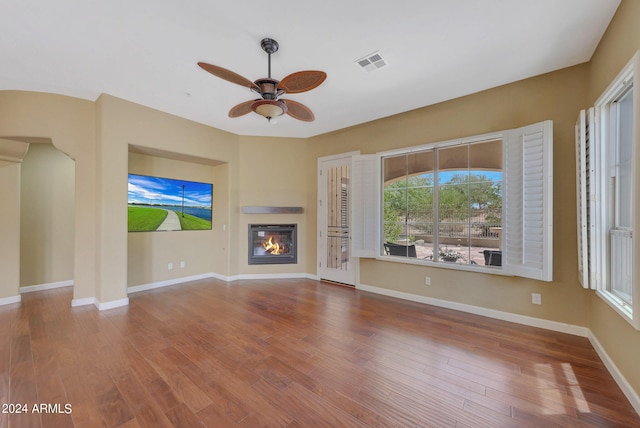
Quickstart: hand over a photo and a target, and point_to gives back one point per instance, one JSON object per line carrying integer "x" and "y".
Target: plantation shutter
{"x": 582, "y": 199}
{"x": 365, "y": 226}
{"x": 585, "y": 197}
{"x": 591, "y": 189}
{"x": 528, "y": 201}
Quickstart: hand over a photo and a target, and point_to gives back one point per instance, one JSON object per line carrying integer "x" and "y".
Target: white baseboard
{"x": 102, "y": 306}
{"x": 220, "y": 277}
{"x": 10, "y": 300}
{"x": 225, "y": 278}
{"x": 76, "y": 302}
{"x": 266, "y": 276}
{"x": 626, "y": 388}
{"x": 159, "y": 284}
{"x": 83, "y": 302}
{"x": 477, "y": 310}
{"x": 48, "y": 286}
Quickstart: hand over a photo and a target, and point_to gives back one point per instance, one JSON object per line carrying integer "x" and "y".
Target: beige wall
{"x": 149, "y": 253}
{"x": 47, "y": 216}
{"x": 121, "y": 124}
{"x": 9, "y": 230}
{"x": 617, "y": 46}
{"x": 253, "y": 171}
{"x": 273, "y": 173}
{"x": 557, "y": 96}
{"x": 621, "y": 41}
{"x": 221, "y": 263}
{"x": 69, "y": 124}
{"x": 97, "y": 136}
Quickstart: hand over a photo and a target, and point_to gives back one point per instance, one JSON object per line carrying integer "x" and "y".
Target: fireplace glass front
{"x": 272, "y": 244}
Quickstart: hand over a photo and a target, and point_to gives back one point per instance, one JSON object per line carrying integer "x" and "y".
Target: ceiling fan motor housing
{"x": 269, "y": 88}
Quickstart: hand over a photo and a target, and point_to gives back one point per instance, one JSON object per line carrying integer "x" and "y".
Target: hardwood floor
{"x": 292, "y": 353}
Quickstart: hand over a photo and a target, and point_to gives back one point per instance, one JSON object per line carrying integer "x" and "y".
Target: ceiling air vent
{"x": 372, "y": 62}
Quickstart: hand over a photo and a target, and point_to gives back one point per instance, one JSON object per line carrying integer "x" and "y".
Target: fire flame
{"x": 273, "y": 248}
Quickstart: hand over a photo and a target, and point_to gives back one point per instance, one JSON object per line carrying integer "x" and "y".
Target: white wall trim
{"x": 268, "y": 276}
{"x": 477, "y": 310}
{"x": 83, "y": 302}
{"x": 47, "y": 286}
{"x": 112, "y": 304}
{"x": 10, "y": 300}
{"x": 220, "y": 277}
{"x": 626, "y": 388}
{"x": 100, "y": 305}
{"x": 159, "y": 284}
{"x": 225, "y": 278}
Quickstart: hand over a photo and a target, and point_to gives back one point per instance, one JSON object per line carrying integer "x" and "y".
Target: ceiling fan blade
{"x": 299, "y": 111}
{"x": 229, "y": 76}
{"x": 241, "y": 109}
{"x": 302, "y": 81}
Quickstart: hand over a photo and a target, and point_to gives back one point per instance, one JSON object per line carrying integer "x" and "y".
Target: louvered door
{"x": 334, "y": 221}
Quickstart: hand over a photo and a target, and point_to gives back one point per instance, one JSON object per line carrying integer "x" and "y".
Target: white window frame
{"x": 527, "y": 230}
{"x": 596, "y": 134}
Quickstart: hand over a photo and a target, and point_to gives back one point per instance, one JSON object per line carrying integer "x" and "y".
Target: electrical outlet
{"x": 170, "y": 266}
{"x": 427, "y": 280}
{"x": 182, "y": 264}
{"x": 536, "y": 298}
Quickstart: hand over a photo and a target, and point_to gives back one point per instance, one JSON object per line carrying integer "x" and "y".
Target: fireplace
{"x": 272, "y": 244}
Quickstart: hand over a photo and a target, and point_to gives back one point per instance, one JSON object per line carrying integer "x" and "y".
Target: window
{"x": 445, "y": 204}
{"x": 606, "y": 159}
{"x": 479, "y": 203}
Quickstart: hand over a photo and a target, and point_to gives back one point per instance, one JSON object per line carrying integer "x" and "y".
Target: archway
{"x": 47, "y": 218}
{"x": 38, "y": 215}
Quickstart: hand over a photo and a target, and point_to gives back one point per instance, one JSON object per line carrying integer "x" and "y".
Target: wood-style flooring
{"x": 292, "y": 353}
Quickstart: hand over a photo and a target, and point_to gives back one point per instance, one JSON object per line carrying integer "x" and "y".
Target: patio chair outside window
{"x": 492, "y": 258}
{"x": 400, "y": 250}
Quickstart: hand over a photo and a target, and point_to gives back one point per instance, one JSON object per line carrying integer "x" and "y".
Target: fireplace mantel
{"x": 271, "y": 210}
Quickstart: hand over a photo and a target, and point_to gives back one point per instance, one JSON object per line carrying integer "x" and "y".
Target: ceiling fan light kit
{"x": 269, "y": 106}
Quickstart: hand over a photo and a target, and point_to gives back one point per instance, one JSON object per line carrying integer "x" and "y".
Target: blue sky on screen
{"x": 166, "y": 191}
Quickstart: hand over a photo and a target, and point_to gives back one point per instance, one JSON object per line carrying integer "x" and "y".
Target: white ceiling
{"x": 146, "y": 51}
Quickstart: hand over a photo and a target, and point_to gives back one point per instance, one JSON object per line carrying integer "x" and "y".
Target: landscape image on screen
{"x": 165, "y": 204}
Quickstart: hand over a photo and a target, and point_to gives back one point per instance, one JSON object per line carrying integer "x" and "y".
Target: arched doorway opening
{"x": 47, "y": 218}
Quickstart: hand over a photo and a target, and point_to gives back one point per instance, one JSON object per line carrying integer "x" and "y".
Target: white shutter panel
{"x": 582, "y": 199}
{"x": 592, "y": 197}
{"x": 528, "y": 207}
{"x": 585, "y": 197}
{"x": 365, "y": 227}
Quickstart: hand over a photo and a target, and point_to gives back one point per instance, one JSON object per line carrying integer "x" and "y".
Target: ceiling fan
{"x": 270, "y": 106}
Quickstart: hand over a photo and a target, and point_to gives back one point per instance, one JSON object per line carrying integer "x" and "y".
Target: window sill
{"x": 622, "y": 308}
{"x": 444, "y": 265}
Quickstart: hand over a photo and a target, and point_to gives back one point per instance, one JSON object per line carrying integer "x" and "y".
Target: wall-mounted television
{"x": 166, "y": 204}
